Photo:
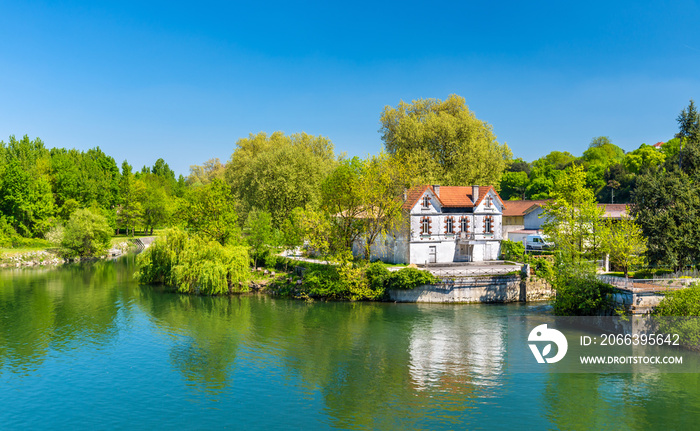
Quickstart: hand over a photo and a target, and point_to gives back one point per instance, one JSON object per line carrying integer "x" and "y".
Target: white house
{"x": 445, "y": 224}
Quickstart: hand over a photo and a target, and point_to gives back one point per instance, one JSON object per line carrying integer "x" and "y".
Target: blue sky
{"x": 186, "y": 81}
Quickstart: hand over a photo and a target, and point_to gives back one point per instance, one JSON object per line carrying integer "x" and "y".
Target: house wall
{"x": 533, "y": 219}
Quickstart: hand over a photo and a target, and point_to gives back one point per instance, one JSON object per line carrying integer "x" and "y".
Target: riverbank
{"x": 50, "y": 256}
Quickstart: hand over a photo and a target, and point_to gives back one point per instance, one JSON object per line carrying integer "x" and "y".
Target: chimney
{"x": 475, "y": 193}
{"x": 405, "y": 194}
{"x": 436, "y": 187}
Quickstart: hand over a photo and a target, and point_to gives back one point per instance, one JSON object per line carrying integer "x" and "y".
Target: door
{"x": 432, "y": 254}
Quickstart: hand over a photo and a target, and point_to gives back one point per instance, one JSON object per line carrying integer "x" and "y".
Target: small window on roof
{"x": 426, "y": 201}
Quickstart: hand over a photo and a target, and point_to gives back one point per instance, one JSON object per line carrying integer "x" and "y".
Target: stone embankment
{"x": 51, "y": 257}
{"x": 507, "y": 288}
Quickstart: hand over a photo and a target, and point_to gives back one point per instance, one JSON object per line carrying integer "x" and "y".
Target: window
{"x": 488, "y": 201}
{"x": 488, "y": 224}
{"x": 464, "y": 224}
{"x": 449, "y": 225}
{"x": 425, "y": 226}
{"x": 426, "y": 201}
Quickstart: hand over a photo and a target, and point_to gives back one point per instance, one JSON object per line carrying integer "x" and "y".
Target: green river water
{"x": 84, "y": 346}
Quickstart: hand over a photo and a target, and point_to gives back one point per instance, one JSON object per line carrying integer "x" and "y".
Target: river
{"x": 85, "y": 346}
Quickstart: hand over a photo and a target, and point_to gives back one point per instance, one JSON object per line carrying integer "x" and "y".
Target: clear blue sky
{"x": 185, "y": 81}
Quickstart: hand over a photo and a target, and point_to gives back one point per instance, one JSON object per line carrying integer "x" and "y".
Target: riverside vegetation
{"x": 281, "y": 192}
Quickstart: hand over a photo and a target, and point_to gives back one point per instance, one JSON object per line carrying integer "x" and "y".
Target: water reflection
{"x": 354, "y": 365}
{"x": 452, "y": 349}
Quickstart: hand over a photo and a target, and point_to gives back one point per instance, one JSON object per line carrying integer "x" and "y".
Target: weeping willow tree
{"x": 194, "y": 265}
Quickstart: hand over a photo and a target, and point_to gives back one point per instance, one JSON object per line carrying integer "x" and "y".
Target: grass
{"x": 9, "y": 251}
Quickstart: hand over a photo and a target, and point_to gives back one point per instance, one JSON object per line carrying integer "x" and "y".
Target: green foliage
{"x": 409, "y": 278}
{"x": 667, "y": 207}
{"x": 87, "y": 234}
{"x": 193, "y": 264}
{"x": 683, "y": 302}
{"x": 512, "y": 250}
{"x": 573, "y": 218}
{"x": 377, "y": 275}
{"x": 644, "y": 157}
{"x": 582, "y": 296}
{"x": 514, "y": 185}
{"x": 445, "y": 141}
{"x": 209, "y": 211}
{"x": 279, "y": 173}
{"x": 678, "y": 311}
{"x": 260, "y": 235}
{"x": 624, "y": 242}
{"x": 543, "y": 268}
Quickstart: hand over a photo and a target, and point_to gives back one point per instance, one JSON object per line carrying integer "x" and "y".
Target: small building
{"x": 531, "y": 215}
{"x": 445, "y": 224}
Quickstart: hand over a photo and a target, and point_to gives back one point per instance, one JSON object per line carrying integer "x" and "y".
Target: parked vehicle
{"x": 537, "y": 242}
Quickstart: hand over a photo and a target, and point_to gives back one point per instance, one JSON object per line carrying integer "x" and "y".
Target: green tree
{"x": 444, "y": 141}
{"x": 384, "y": 178}
{"x": 131, "y": 191}
{"x": 86, "y": 234}
{"x": 573, "y": 218}
{"x": 667, "y": 207}
{"x": 210, "y": 212}
{"x": 688, "y": 129}
{"x": 341, "y": 194}
{"x": 514, "y": 185}
{"x": 260, "y": 235}
{"x": 278, "y": 173}
{"x": 624, "y": 242}
{"x": 644, "y": 157}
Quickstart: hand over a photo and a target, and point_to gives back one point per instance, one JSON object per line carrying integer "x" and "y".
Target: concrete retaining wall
{"x": 478, "y": 290}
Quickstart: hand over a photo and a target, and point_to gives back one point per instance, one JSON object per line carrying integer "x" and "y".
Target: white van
{"x": 537, "y": 242}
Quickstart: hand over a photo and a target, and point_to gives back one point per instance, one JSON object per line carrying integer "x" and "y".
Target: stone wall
{"x": 478, "y": 290}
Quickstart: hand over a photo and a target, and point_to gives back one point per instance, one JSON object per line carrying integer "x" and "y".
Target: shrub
{"x": 578, "y": 296}
{"x": 193, "y": 264}
{"x": 683, "y": 302}
{"x": 543, "y": 268}
{"x": 377, "y": 275}
{"x": 86, "y": 234}
{"x": 512, "y": 250}
{"x": 409, "y": 278}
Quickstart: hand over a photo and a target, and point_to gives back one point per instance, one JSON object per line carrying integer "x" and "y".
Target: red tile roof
{"x": 519, "y": 208}
{"x": 450, "y": 196}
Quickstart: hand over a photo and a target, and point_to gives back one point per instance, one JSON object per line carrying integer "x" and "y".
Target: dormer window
{"x": 426, "y": 202}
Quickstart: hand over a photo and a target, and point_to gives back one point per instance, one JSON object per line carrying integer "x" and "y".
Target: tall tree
{"x": 383, "y": 181}
{"x": 573, "y": 218}
{"x": 444, "y": 141}
{"x": 688, "y": 128}
{"x": 210, "y": 212}
{"x": 278, "y": 173}
{"x": 130, "y": 198}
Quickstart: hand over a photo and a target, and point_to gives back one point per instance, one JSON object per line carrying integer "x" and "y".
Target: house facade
{"x": 445, "y": 224}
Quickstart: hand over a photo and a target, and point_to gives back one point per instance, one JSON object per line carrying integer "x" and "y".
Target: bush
{"x": 511, "y": 250}
{"x": 409, "y": 278}
{"x": 683, "y": 302}
{"x": 86, "y": 234}
{"x": 193, "y": 264}
{"x": 543, "y": 268}
{"x": 377, "y": 275}
{"x": 577, "y": 296}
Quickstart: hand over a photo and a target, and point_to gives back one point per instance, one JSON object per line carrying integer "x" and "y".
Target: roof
{"x": 450, "y": 196}
{"x": 519, "y": 208}
{"x": 658, "y": 144}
